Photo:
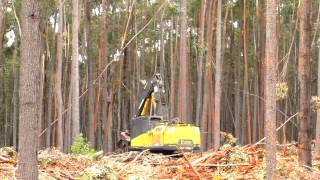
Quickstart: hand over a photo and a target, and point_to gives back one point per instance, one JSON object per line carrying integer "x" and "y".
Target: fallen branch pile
{"x": 229, "y": 162}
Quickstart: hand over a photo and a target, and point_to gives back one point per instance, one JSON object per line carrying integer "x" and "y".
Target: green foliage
{"x": 82, "y": 146}
{"x": 173, "y": 8}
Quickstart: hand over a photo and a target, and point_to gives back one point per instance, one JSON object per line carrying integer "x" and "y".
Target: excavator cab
{"x": 150, "y": 127}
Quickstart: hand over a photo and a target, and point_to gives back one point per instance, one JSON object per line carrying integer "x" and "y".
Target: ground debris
{"x": 230, "y": 162}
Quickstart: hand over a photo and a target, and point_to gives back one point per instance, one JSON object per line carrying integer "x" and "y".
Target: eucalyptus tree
{"x": 29, "y": 88}
{"x": 270, "y": 103}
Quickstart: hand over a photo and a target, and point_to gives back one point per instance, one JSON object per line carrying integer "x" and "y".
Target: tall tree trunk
{"x": 184, "y": 76}
{"x": 105, "y": 94}
{"x": 49, "y": 77}
{"x": 41, "y": 123}
{"x": 75, "y": 114}
{"x": 218, "y": 80}
{"x": 15, "y": 101}
{"x": 2, "y": 31}
{"x": 58, "y": 89}
{"x": 91, "y": 74}
{"x": 236, "y": 77}
{"x": 162, "y": 46}
{"x": 207, "y": 107}
{"x": 246, "y": 115}
{"x": 256, "y": 70}
{"x": 271, "y": 104}
{"x": 304, "y": 135}
{"x": 101, "y": 63}
{"x": 200, "y": 61}
{"x": 318, "y": 111}
{"x": 172, "y": 97}
{"x": 2, "y": 69}
{"x": 261, "y": 74}
{"x": 29, "y": 89}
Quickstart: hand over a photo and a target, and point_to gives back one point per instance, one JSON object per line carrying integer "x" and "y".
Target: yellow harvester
{"x": 150, "y": 128}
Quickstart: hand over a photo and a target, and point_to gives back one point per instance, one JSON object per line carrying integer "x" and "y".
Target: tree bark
{"x": 261, "y": 74}
{"x": 15, "y": 102}
{"x": 270, "y": 88}
{"x": 184, "y": 75}
{"x": 75, "y": 114}
{"x": 246, "y": 115}
{"x": 236, "y": 78}
{"x": 2, "y": 69}
{"x": 207, "y": 107}
{"x": 105, "y": 95}
{"x": 29, "y": 89}
{"x": 58, "y": 89}
{"x": 91, "y": 74}
{"x": 218, "y": 80}
{"x": 2, "y": 30}
{"x": 317, "y": 148}
{"x": 200, "y": 61}
{"x": 304, "y": 135}
{"x": 172, "y": 97}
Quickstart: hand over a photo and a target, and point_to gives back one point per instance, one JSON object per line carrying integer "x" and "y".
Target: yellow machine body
{"x": 168, "y": 137}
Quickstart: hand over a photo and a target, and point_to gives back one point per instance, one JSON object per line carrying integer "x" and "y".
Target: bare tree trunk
{"x": 184, "y": 76}
{"x": 218, "y": 80}
{"x": 246, "y": 115}
{"x": 236, "y": 76}
{"x": 49, "y": 76}
{"x": 105, "y": 94}
{"x": 162, "y": 46}
{"x": 304, "y": 135}
{"x": 200, "y": 61}
{"x": 207, "y": 107}
{"x": 29, "y": 91}
{"x": 58, "y": 89}
{"x": 91, "y": 73}
{"x": 2, "y": 31}
{"x": 271, "y": 104}
{"x": 41, "y": 123}
{"x": 68, "y": 125}
{"x": 172, "y": 97}
{"x": 256, "y": 78}
{"x": 2, "y": 69}
{"x": 75, "y": 70}
{"x": 317, "y": 148}
{"x": 15, "y": 102}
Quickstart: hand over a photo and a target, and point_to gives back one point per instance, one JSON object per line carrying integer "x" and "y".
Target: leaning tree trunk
{"x": 271, "y": 104}
{"x": 304, "y": 135}
{"x": 29, "y": 91}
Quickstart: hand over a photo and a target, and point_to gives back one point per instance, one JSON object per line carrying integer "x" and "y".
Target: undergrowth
{"x": 82, "y": 146}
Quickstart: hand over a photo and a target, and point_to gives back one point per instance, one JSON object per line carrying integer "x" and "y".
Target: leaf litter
{"x": 230, "y": 162}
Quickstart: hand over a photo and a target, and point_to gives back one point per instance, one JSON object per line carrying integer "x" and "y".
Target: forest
{"x": 244, "y": 72}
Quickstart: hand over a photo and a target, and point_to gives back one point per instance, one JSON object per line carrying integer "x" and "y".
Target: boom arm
{"x": 150, "y": 98}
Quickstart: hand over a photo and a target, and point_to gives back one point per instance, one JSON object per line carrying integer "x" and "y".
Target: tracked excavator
{"x": 151, "y": 128}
